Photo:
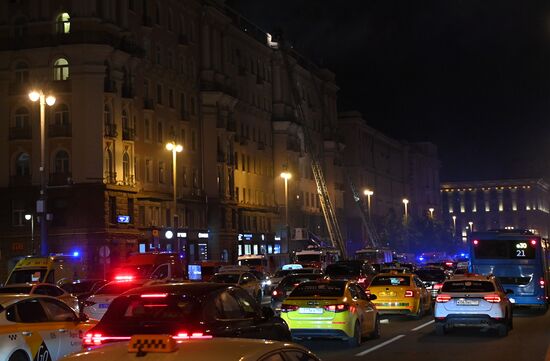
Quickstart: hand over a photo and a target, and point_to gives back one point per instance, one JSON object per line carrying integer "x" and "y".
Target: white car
{"x": 472, "y": 300}
{"x": 38, "y": 328}
{"x": 97, "y": 304}
{"x": 47, "y": 289}
{"x": 241, "y": 278}
{"x": 165, "y": 348}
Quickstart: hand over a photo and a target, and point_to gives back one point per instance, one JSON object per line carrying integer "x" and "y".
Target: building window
{"x": 170, "y": 20}
{"x": 61, "y": 69}
{"x": 161, "y": 173}
{"x": 184, "y": 177}
{"x": 157, "y": 14}
{"x": 21, "y": 73}
{"x": 171, "y": 98}
{"x": 159, "y": 94}
{"x": 182, "y": 139}
{"x": 18, "y": 212}
{"x": 23, "y": 165}
{"x": 61, "y": 115}
{"x": 159, "y": 132}
{"x": 63, "y": 23}
{"x": 147, "y": 128}
{"x": 125, "y": 120}
{"x": 22, "y": 118}
{"x": 20, "y": 27}
{"x": 126, "y": 168}
{"x": 112, "y": 209}
{"x": 131, "y": 209}
{"x": 193, "y": 106}
{"x": 158, "y": 57}
{"x": 148, "y": 170}
{"x": 61, "y": 162}
{"x": 109, "y": 166}
{"x": 107, "y": 115}
{"x": 193, "y": 141}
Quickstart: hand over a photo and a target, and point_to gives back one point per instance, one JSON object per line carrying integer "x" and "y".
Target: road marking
{"x": 379, "y": 346}
{"x": 423, "y": 325}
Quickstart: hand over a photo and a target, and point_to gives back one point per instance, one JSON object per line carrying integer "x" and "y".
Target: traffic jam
{"x": 156, "y": 307}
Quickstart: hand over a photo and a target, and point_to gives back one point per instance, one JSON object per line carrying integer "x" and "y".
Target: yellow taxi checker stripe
{"x": 151, "y": 343}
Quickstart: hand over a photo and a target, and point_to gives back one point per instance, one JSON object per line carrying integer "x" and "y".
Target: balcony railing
{"x": 110, "y": 177}
{"x": 58, "y": 179}
{"x": 128, "y": 134}
{"x": 59, "y": 130}
{"x": 20, "y": 133}
{"x": 110, "y": 130}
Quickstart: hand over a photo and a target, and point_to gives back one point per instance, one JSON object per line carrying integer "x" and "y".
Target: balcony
{"x": 20, "y": 180}
{"x": 110, "y": 131}
{"x": 60, "y": 179}
{"x": 110, "y": 177}
{"x": 128, "y": 134}
{"x": 17, "y": 133}
{"x": 59, "y": 130}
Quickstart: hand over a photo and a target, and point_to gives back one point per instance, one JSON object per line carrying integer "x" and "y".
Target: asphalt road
{"x": 403, "y": 339}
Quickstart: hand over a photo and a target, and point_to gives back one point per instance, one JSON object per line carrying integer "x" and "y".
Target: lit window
{"x": 21, "y": 72}
{"x": 61, "y": 163}
{"x": 61, "y": 115}
{"x": 61, "y": 69}
{"x": 22, "y": 118}
{"x": 63, "y": 23}
{"x": 23, "y": 165}
{"x": 126, "y": 168}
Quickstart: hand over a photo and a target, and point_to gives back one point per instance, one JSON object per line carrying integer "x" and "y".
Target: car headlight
{"x": 266, "y": 283}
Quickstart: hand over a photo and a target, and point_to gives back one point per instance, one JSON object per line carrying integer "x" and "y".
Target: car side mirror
{"x": 372, "y": 297}
{"x": 267, "y": 312}
{"x": 509, "y": 292}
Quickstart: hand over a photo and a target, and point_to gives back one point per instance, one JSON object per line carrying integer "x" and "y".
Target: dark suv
{"x": 352, "y": 270}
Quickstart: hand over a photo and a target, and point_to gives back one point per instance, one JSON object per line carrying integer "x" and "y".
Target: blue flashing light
{"x": 462, "y": 255}
{"x": 421, "y": 258}
{"x": 76, "y": 254}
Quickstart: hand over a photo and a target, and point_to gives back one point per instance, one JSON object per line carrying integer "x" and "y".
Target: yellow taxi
{"x": 331, "y": 309}
{"x": 39, "y": 328}
{"x": 166, "y": 348}
{"x": 400, "y": 293}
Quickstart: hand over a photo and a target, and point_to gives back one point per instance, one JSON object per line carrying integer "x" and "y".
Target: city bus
{"x": 316, "y": 257}
{"x": 519, "y": 259}
{"x": 375, "y": 255}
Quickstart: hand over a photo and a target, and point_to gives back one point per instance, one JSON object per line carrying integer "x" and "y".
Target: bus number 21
{"x": 520, "y": 253}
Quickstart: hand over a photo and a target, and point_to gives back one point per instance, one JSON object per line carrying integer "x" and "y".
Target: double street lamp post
{"x": 286, "y": 176}
{"x": 38, "y": 95}
{"x": 30, "y": 217}
{"x": 368, "y": 193}
{"x": 406, "y": 215}
{"x": 175, "y": 149}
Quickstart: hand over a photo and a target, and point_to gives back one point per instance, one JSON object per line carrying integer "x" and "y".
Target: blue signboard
{"x": 123, "y": 219}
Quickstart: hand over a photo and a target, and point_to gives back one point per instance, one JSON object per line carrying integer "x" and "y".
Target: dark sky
{"x": 471, "y": 76}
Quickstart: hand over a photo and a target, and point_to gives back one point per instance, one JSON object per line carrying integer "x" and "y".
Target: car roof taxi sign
{"x": 152, "y": 343}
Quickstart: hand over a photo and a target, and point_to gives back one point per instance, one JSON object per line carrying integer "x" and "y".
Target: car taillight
{"x": 542, "y": 282}
{"x": 189, "y": 336}
{"x": 92, "y": 339}
{"x": 449, "y": 264}
{"x": 492, "y": 298}
{"x": 154, "y": 295}
{"x": 361, "y": 280}
{"x": 438, "y": 286}
{"x": 289, "y": 308}
{"x": 409, "y": 293}
{"x": 336, "y": 308}
{"x": 442, "y": 298}
{"x": 274, "y": 293}
{"x": 123, "y": 278}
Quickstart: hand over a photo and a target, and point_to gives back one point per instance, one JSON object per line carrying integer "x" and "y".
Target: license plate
{"x": 103, "y": 305}
{"x": 387, "y": 294}
{"x": 310, "y": 310}
{"x": 463, "y": 302}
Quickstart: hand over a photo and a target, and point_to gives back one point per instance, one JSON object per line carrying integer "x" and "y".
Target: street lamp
{"x": 454, "y": 226}
{"x": 29, "y": 217}
{"x": 471, "y": 224}
{"x": 368, "y": 193}
{"x": 406, "y": 204}
{"x": 34, "y": 96}
{"x": 175, "y": 149}
{"x": 286, "y": 176}
{"x": 431, "y": 210}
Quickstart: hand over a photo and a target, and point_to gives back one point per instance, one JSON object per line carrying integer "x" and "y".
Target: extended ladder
{"x": 326, "y": 204}
{"x": 365, "y": 217}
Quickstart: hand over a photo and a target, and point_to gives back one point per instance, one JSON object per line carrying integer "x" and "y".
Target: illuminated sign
{"x": 203, "y": 235}
{"x": 168, "y": 234}
{"x": 277, "y": 238}
{"x": 123, "y": 219}
{"x": 181, "y": 235}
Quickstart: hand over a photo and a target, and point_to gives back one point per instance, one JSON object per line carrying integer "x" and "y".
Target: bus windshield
{"x": 503, "y": 249}
{"x": 27, "y": 276}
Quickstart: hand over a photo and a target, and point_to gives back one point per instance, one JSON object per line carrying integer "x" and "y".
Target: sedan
{"x": 187, "y": 309}
{"x": 43, "y": 289}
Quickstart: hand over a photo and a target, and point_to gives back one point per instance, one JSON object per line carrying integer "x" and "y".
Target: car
{"x": 331, "y": 309}
{"x": 472, "y": 300}
{"x": 42, "y": 289}
{"x": 400, "y": 293}
{"x": 38, "y": 327}
{"x": 166, "y": 348}
{"x": 280, "y": 274}
{"x": 96, "y": 305}
{"x": 194, "y": 308}
{"x": 355, "y": 270}
{"x": 83, "y": 288}
{"x": 433, "y": 279}
{"x": 285, "y": 287}
{"x": 243, "y": 279}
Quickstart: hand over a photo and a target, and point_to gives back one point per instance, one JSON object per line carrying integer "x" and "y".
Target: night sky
{"x": 471, "y": 76}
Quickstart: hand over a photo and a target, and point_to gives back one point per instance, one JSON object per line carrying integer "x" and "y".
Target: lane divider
{"x": 362, "y": 353}
{"x": 423, "y": 325}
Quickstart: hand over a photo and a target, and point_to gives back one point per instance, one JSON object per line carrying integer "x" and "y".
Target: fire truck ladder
{"x": 374, "y": 239}
{"x": 326, "y": 204}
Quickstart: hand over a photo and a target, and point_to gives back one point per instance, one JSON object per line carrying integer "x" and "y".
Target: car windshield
{"x": 116, "y": 288}
{"x": 283, "y": 273}
{"x": 27, "y": 275}
{"x": 318, "y": 289}
{"x": 468, "y": 286}
{"x": 164, "y": 309}
{"x": 232, "y": 278}
{"x": 19, "y": 290}
{"x": 291, "y": 281}
{"x": 79, "y": 287}
{"x": 431, "y": 275}
{"x": 391, "y": 281}
{"x": 342, "y": 270}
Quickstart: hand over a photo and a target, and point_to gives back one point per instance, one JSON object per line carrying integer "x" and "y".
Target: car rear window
{"x": 226, "y": 278}
{"x": 318, "y": 289}
{"x": 431, "y": 275}
{"x": 294, "y": 279}
{"x": 170, "y": 308}
{"x": 342, "y": 270}
{"x": 391, "y": 281}
{"x": 467, "y": 286}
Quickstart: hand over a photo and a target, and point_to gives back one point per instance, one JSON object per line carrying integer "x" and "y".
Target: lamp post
{"x": 454, "y": 226}
{"x": 471, "y": 224}
{"x": 30, "y": 217}
{"x": 368, "y": 193}
{"x": 431, "y": 210}
{"x": 406, "y": 204}
{"x": 175, "y": 149}
{"x": 34, "y": 96}
{"x": 286, "y": 176}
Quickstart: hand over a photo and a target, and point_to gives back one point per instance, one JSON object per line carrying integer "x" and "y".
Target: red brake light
{"x": 409, "y": 293}
{"x": 542, "y": 282}
{"x": 124, "y": 278}
{"x": 154, "y": 295}
{"x": 289, "y": 308}
{"x": 492, "y": 298}
{"x": 450, "y": 264}
{"x": 336, "y": 308}
{"x": 533, "y": 242}
{"x": 442, "y": 298}
{"x": 274, "y": 293}
{"x": 438, "y": 286}
{"x": 92, "y": 339}
{"x": 194, "y": 336}
{"x": 475, "y": 242}
{"x": 362, "y": 280}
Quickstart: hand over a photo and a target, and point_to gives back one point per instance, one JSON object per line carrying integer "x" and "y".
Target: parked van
{"x": 153, "y": 265}
{"x": 56, "y": 269}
